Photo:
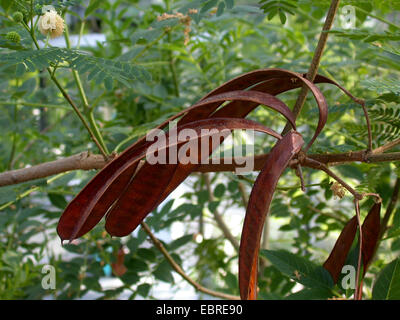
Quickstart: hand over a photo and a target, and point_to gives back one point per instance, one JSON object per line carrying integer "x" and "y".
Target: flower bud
{"x": 13, "y": 37}
{"x": 18, "y": 16}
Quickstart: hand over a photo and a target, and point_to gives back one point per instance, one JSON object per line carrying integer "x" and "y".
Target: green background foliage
{"x": 143, "y": 72}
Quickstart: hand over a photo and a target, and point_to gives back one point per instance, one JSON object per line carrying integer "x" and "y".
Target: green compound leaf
{"x": 387, "y": 285}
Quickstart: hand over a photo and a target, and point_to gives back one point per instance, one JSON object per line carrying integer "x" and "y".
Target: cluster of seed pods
{"x": 127, "y": 190}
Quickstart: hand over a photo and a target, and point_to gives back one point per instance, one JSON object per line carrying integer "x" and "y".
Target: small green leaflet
{"x": 387, "y": 285}
{"x": 93, "y": 5}
{"x": 299, "y": 269}
{"x": 207, "y": 5}
{"x": 366, "y": 35}
{"x": 381, "y": 86}
{"x": 278, "y": 7}
{"x": 98, "y": 69}
{"x": 311, "y": 294}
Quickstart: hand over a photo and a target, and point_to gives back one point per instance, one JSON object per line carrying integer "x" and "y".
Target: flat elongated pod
{"x": 370, "y": 232}
{"x": 258, "y": 207}
{"x": 91, "y": 204}
{"x": 338, "y": 255}
{"x": 274, "y": 87}
{"x": 95, "y": 199}
{"x": 241, "y": 82}
{"x": 322, "y": 79}
{"x": 143, "y": 193}
{"x": 180, "y": 172}
{"x": 256, "y": 97}
{"x": 241, "y": 99}
{"x": 240, "y": 108}
{"x": 272, "y": 81}
{"x": 252, "y": 78}
{"x": 98, "y": 195}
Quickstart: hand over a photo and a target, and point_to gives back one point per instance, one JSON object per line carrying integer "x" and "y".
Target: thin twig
{"x": 312, "y": 72}
{"x": 34, "y": 104}
{"x": 390, "y": 208}
{"x": 86, "y": 107}
{"x": 32, "y": 142}
{"x": 149, "y": 46}
{"x": 357, "y": 295}
{"x": 80, "y": 115}
{"x": 318, "y": 165}
{"x": 243, "y": 194}
{"x": 173, "y": 68}
{"x": 362, "y": 103}
{"x": 29, "y": 191}
{"x": 218, "y": 218}
{"x": 65, "y": 94}
{"x": 370, "y": 14}
{"x": 386, "y": 146}
{"x": 388, "y": 213}
{"x": 327, "y": 214}
{"x": 180, "y": 271}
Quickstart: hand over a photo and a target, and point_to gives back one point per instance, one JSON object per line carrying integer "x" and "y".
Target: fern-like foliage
{"x": 373, "y": 177}
{"x": 385, "y": 45}
{"x": 278, "y": 7}
{"x": 385, "y": 125}
{"x": 382, "y": 86}
{"x": 385, "y": 122}
{"x": 97, "y": 69}
{"x": 205, "y": 6}
{"x": 366, "y": 35}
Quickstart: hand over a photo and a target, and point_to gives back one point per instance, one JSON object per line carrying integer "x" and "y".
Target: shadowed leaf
{"x": 370, "y": 231}
{"x": 337, "y": 258}
{"x": 387, "y": 285}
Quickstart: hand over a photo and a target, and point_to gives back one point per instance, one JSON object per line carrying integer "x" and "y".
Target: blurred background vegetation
{"x": 135, "y": 72}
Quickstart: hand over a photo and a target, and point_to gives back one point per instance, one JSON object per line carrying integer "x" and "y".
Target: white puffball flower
{"x": 51, "y": 23}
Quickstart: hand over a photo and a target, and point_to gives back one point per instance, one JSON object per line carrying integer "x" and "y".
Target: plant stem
{"x": 369, "y": 149}
{"x": 67, "y": 97}
{"x": 33, "y": 104}
{"x": 377, "y": 18}
{"x": 171, "y": 57}
{"x": 312, "y": 72}
{"x": 82, "y": 161}
{"x": 318, "y": 165}
{"x": 357, "y": 294}
{"x": 80, "y": 115}
{"x": 28, "y": 192}
{"x": 320, "y": 160}
{"x": 390, "y": 208}
{"x": 387, "y": 146}
{"x": 33, "y": 141}
{"x": 328, "y": 214}
{"x": 243, "y": 194}
{"x": 148, "y": 46}
{"x": 180, "y": 271}
{"x": 81, "y": 34}
{"x": 86, "y": 107}
{"x": 217, "y": 216}
{"x": 173, "y": 69}
{"x": 14, "y": 139}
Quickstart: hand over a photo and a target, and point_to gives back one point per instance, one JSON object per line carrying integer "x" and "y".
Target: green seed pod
{"x": 13, "y": 37}
{"x": 18, "y": 16}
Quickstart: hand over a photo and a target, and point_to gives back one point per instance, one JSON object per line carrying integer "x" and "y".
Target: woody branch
{"x": 88, "y": 161}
